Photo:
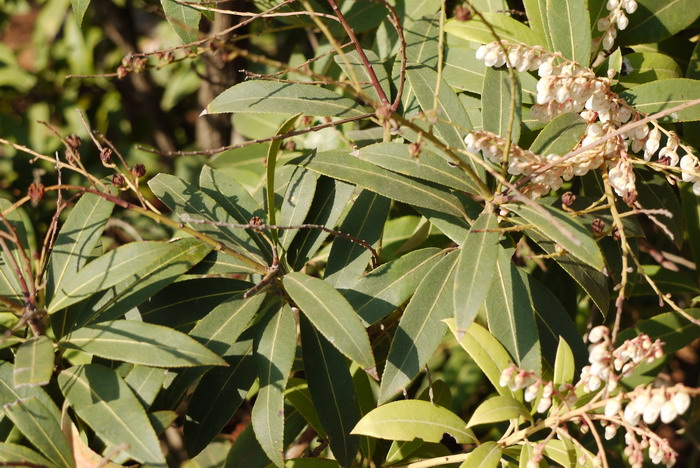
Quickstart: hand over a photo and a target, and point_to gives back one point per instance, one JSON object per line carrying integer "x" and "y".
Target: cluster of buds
{"x": 566, "y": 86}
{"x": 616, "y": 17}
{"x": 519, "y": 379}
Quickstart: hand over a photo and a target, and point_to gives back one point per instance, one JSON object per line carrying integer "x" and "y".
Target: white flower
{"x": 622, "y": 21}
{"x": 610, "y": 431}
{"x": 630, "y": 415}
{"x": 668, "y": 412}
{"x": 612, "y": 407}
{"x": 531, "y": 392}
{"x": 612, "y": 4}
{"x": 597, "y": 333}
{"x": 544, "y": 405}
{"x": 653, "y": 409}
{"x": 681, "y": 401}
{"x": 630, "y": 6}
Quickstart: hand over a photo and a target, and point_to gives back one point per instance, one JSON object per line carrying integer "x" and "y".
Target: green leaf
{"x": 654, "y": 193}
{"x": 560, "y": 135}
{"x": 646, "y": 67}
{"x": 79, "y": 8}
{"x": 299, "y": 396}
{"x": 397, "y": 157}
{"x": 9, "y": 284}
{"x": 102, "y": 399}
{"x": 332, "y": 315}
{"x": 343, "y": 166}
{"x": 421, "y": 328}
{"x": 462, "y": 70}
{"x": 537, "y": 18}
{"x": 76, "y": 240}
{"x": 39, "y": 425}
{"x": 510, "y": 315}
{"x": 567, "y": 453}
{"x": 274, "y": 352}
{"x": 497, "y": 98}
{"x": 385, "y": 289}
{"x": 358, "y": 68}
{"x": 13, "y": 452}
{"x": 183, "y": 19}
{"x": 498, "y": 408}
{"x": 421, "y": 38}
{"x": 140, "y": 343}
{"x": 348, "y": 260}
{"x": 486, "y": 455}
{"x": 486, "y": 351}
{"x": 145, "y": 382}
{"x": 563, "y": 229}
{"x": 655, "y": 20}
{"x": 691, "y": 210}
{"x": 311, "y": 463}
{"x": 34, "y": 362}
{"x": 570, "y": 29}
{"x": 506, "y": 28}
{"x": 161, "y": 420}
{"x": 564, "y": 365}
{"x": 296, "y": 202}
{"x": 410, "y": 419}
{"x": 671, "y": 327}
{"x": 476, "y": 270}
{"x": 216, "y": 399}
{"x": 332, "y": 392}
{"x": 9, "y": 394}
{"x": 284, "y": 98}
{"x": 128, "y": 263}
{"x": 656, "y": 96}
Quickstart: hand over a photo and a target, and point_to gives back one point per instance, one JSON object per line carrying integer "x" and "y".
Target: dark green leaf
{"x": 475, "y": 271}
{"x": 34, "y": 362}
{"x": 13, "y": 452}
{"x": 140, "y": 343}
{"x": 656, "y": 96}
{"x": 145, "y": 382}
{"x": 332, "y": 315}
{"x": 560, "y": 135}
{"x": 421, "y": 328}
{"x": 284, "y": 98}
{"x": 102, "y": 399}
{"x": 569, "y": 29}
{"x": 9, "y": 394}
{"x": 296, "y": 203}
{"x": 497, "y": 97}
{"x": 408, "y": 419}
{"x": 496, "y": 409}
{"x": 462, "y": 70}
{"x": 274, "y": 352}
{"x": 654, "y": 193}
{"x": 332, "y": 392}
{"x": 691, "y": 210}
{"x": 673, "y": 329}
{"x": 299, "y": 396}
{"x": 655, "y": 20}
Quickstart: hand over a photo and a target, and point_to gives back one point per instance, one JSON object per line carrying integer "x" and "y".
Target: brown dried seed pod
{"x": 598, "y": 225}
{"x": 139, "y": 170}
{"x": 36, "y": 191}
{"x": 73, "y": 141}
{"x": 256, "y": 221}
{"x": 568, "y": 198}
{"x": 118, "y": 180}
{"x": 463, "y": 13}
{"x": 106, "y": 156}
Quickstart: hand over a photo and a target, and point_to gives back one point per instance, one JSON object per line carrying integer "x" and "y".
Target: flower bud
{"x": 668, "y": 412}
{"x": 612, "y": 407}
{"x": 681, "y": 401}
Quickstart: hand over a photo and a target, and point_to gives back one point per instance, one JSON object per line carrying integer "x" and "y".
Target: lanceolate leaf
{"x": 76, "y": 240}
{"x": 421, "y": 328}
{"x": 560, "y": 135}
{"x": 569, "y": 29}
{"x": 654, "y": 193}
{"x": 659, "y": 95}
{"x": 498, "y": 408}
{"x": 102, "y": 399}
{"x": 497, "y": 101}
{"x": 386, "y": 288}
{"x": 332, "y": 392}
{"x": 9, "y": 394}
{"x": 140, "y": 343}
{"x": 332, "y": 315}
{"x": 476, "y": 269}
{"x": 296, "y": 203}
{"x": 486, "y": 455}
{"x": 408, "y": 419}
{"x": 38, "y": 424}
{"x": 34, "y": 362}
{"x": 343, "y": 166}
{"x": 10, "y": 452}
{"x": 183, "y": 18}
{"x": 537, "y": 18}
{"x": 128, "y": 263}
{"x": 274, "y": 352}
{"x": 654, "y": 20}
{"x": 582, "y": 246}
{"x": 510, "y": 315}
{"x": 357, "y": 67}
{"x": 422, "y": 41}
{"x": 145, "y": 382}
{"x": 284, "y": 98}
{"x": 506, "y": 28}
{"x": 564, "y": 365}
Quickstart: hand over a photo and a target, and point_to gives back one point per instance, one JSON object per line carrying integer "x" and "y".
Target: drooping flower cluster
{"x": 614, "y": 408}
{"x": 616, "y": 17}
{"x": 565, "y": 86}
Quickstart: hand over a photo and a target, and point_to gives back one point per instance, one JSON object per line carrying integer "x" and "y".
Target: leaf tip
{"x": 204, "y": 112}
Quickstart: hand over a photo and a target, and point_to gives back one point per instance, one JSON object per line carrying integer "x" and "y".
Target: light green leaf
{"x": 311, "y": 463}
{"x": 10, "y": 452}
{"x": 497, "y": 98}
{"x": 183, "y": 19}
{"x": 655, "y": 20}
{"x": 332, "y": 315}
{"x": 486, "y": 455}
{"x": 358, "y": 68}
{"x": 140, "y": 343}
{"x": 564, "y": 365}
{"x": 348, "y": 260}
{"x": 39, "y": 425}
{"x": 659, "y": 95}
{"x": 569, "y": 29}
{"x": 645, "y": 67}
{"x": 396, "y": 157}
{"x": 34, "y": 362}
{"x": 284, "y": 98}
{"x": 145, "y": 382}
{"x": 9, "y": 394}
{"x": 410, "y": 419}
{"x": 421, "y": 38}
{"x": 510, "y": 315}
{"x": 76, "y": 240}
{"x": 296, "y": 202}
{"x": 79, "y": 8}
{"x": 129, "y": 263}
{"x": 567, "y": 453}
{"x": 506, "y": 28}
{"x": 490, "y": 355}
{"x": 274, "y": 352}
{"x": 343, "y": 166}
{"x": 463, "y": 71}
{"x": 421, "y": 328}
{"x": 537, "y": 18}
{"x": 498, "y": 408}
{"x": 386, "y": 288}
{"x": 560, "y": 135}
{"x": 584, "y": 247}
{"x": 332, "y": 392}
{"x": 475, "y": 271}
{"x": 102, "y": 399}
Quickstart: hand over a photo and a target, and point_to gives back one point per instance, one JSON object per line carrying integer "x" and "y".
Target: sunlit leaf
{"x": 496, "y": 409}
{"x": 34, "y": 362}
